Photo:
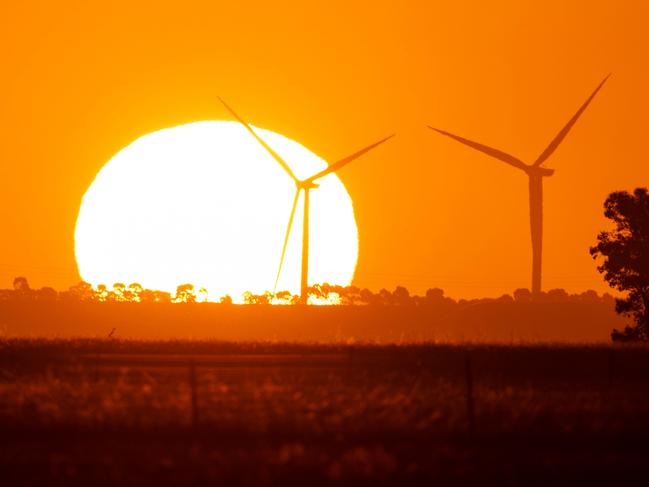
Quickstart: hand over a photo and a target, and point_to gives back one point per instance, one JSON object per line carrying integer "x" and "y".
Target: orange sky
{"x": 81, "y": 80}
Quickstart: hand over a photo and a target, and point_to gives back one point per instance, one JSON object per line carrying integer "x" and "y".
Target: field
{"x": 100, "y": 412}
{"x": 571, "y": 321}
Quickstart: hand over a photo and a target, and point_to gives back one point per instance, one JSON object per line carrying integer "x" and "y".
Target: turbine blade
{"x": 564, "y": 131}
{"x": 343, "y": 162}
{"x": 490, "y": 151}
{"x": 269, "y": 149}
{"x": 288, "y": 233}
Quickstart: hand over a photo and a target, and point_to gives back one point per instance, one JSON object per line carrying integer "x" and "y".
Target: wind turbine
{"x": 535, "y": 173}
{"x": 305, "y": 185}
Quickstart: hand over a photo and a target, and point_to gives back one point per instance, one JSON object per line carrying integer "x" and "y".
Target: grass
{"x": 84, "y": 411}
{"x": 573, "y": 321}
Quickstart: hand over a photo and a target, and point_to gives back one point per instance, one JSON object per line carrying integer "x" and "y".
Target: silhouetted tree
{"x": 368, "y": 297}
{"x": 522, "y": 295}
{"x": 557, "y": 295}
{"x": 434, "y": 295}
{"x": 326, "y": 293}
{"x": 102, "y": 293}
{"x": 624, "y": 252}
{"x": 401, "y": 296}
{"x": 21, "y": 285}
{"x": 118, "y": 292}
{"x": 318, "y": 291}
{"x": 385, "y": 297}
{"x": 133, "y": 292}
{"x": 351, "y": 295}
{"x": 151, "y": 296}
{"x": 285, "y": 297}
{"x": 435, "y": 298}
{"x": 185, "y": 294}
{"x": 47, "y": 294}
{"x": 590, "y": 296}
{"x": 250, "y": 298}
{"x": 82, "y": 291}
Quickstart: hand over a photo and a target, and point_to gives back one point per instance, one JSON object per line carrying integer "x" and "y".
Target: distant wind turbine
{"x": 535, "y": 173}
{"x": 305, "y": 185}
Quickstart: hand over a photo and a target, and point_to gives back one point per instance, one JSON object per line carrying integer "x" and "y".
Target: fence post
{"x": 194, "y": 394}
{"x": 470, "y": 409}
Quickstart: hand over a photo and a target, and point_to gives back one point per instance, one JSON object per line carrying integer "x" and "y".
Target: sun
{"x": 203, "y": 203}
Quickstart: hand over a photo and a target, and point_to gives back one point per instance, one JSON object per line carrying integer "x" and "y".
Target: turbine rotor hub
{"x": 307, "y": 185}
{"x": 545, "y": 171}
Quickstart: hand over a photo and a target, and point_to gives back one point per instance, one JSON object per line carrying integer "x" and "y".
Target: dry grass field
{"x": 572, "y": 320}
{"x": 99, "y": 412}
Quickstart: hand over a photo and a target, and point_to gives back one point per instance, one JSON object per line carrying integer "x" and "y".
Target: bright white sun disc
{"x": 205, "y": 204}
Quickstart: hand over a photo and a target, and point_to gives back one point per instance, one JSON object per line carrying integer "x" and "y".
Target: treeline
{"x": 119, "y": 292}
{"x": 352, "y": 295}
{"x": 318, "y": 294}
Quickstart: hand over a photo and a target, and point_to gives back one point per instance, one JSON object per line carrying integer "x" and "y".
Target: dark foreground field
{"x": 99, "y": 412}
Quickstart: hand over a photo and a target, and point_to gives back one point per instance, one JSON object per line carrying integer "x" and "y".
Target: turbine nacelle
{"x": 306, "y": 184}
{"x": 539, "y": 171}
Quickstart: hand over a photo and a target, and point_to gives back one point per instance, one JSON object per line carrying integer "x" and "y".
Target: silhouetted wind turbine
{"x": 305, "y": 185}
{"x": 535, "y": 173}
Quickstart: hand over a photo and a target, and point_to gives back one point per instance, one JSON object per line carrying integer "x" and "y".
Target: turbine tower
{"x": 305, "y": 185}
{"x": 535, "y": 173}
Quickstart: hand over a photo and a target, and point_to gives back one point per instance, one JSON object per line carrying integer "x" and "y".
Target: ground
{"x": 99, "y": 412}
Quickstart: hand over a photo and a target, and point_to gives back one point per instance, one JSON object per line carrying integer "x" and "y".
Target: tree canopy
{"x": 623, "y": 253}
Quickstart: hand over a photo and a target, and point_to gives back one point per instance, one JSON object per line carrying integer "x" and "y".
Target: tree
{"x": 47, "y": 294}
{"x": 557, "y": 296}
{"x": 250, "y": 298}
{"x": 522, "y": 295}
{"x": 368, "y": 297}
{"x": 385, "y": 297}
{"x": 133, "y": 292}
{"x": 624, "y": 256}
{"x": 435, "y": 297}
{"x": 401, "y": 296}
{"x": 82, "y": 291}
{"x": 351, "y": 295}
{"x": 118, "y": 292}
{"x": 185, "y": 294}
{"x": 21, "y": 285}
{"x": 152, "y": 296}
{"x": 284, "y": 297}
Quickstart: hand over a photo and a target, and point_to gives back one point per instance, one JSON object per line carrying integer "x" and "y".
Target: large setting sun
{"x": 204, "y": 204}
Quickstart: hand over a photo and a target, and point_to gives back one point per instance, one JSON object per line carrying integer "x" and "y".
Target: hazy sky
{"x": 81, "y": 80}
